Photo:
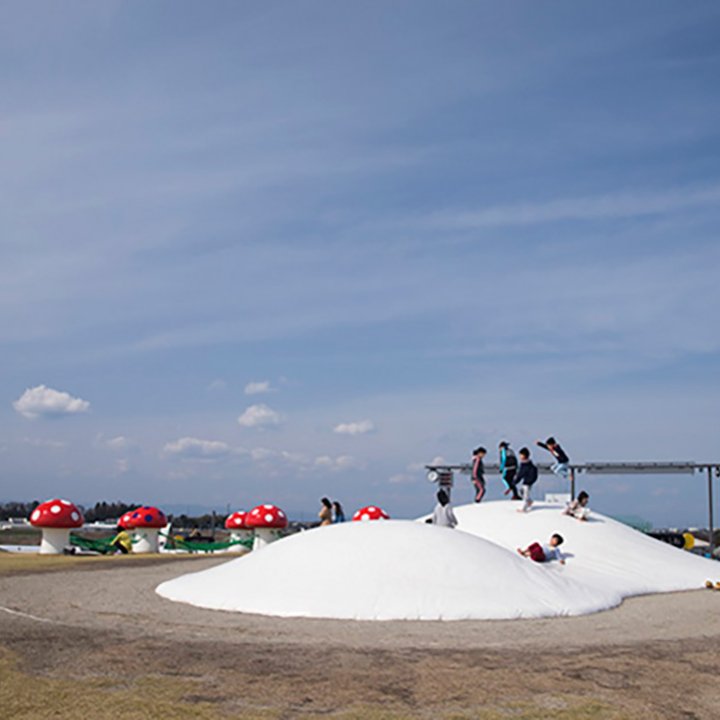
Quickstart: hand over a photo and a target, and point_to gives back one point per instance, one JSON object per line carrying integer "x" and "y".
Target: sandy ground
{"x": 656, "y": 656}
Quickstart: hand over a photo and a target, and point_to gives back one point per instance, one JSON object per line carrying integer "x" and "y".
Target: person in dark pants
{"x": 508, "y": 469}
{"x": 478, "y": 473}
{"x": 528, "y": 476}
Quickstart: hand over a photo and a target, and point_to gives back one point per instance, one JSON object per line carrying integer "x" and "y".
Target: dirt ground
{"x": 96, "y": 641}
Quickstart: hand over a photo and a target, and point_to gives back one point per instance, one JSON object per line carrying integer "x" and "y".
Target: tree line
{"x": 104, "y": 510}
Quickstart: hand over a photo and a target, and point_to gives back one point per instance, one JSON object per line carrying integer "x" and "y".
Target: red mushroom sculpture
{"x": 371, "y": 512}
{"x": 237, "y": 525}
{"x": 267, "y": 521}
{"x": 56, "y": 518}
{"x": 146, "y": 522}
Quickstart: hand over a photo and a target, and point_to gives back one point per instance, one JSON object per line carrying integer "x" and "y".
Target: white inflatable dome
{"x": 403, "y": 570}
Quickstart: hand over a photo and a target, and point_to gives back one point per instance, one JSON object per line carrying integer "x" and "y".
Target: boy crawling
{"x": 545, "y": 553}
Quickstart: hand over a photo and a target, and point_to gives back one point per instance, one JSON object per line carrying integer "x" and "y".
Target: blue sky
{"x": 273, "y": 251}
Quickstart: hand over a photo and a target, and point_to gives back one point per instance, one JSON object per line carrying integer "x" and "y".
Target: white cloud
{"x": 341, "y": 462}
{"x": 117, "y": 443}
{"x": 42, "y": 401}
{"x": 258, "y": 388}
{"x": 360, "y": 427}
{"x": 194, "y": 448}
{"x": 259, "y": 416}
{"x": 217, "y": 385}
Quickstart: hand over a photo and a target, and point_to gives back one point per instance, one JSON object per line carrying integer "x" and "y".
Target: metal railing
{"x": 617, "y": 468}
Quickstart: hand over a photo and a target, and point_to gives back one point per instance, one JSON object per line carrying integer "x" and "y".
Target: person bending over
{"x": 545, "y": 553}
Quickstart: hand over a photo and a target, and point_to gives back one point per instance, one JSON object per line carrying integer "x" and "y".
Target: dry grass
{"x": 26, "y": 696}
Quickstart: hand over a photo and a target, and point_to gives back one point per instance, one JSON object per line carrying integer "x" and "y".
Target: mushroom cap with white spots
{"x": 266, "y": 516}
{"x": 236, "y": 521}
{"x": 57, "y": 513}
{"x": 371, "y": 512}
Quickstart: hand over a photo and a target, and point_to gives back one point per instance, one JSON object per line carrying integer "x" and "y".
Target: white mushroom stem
{"x": 264, "y": 536}
{"x": 146, "y": 540}
{"x": 54, "y": 540}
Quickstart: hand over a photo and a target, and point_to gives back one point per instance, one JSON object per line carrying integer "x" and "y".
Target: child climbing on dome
{"x": 545, "y": 553}
{"x": 578, "y": 508}
{"x": 478, "y": 473}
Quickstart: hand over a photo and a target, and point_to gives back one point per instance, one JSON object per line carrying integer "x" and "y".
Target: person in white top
{"x": 578, "y": 508}
{"x": 443, "y": 514}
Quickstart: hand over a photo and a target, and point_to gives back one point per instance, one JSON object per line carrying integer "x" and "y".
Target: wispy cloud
{"x": 359, "y": 427}
{"x": 595, "y": 207}
{"x": 258, "y": 388}
{"x": 195, "y": 448}
{"x": 337, "y": 463}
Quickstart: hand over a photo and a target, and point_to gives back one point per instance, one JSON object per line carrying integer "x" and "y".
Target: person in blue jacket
{"x": 508, "y": 469}
{"x": 339, "y": 514}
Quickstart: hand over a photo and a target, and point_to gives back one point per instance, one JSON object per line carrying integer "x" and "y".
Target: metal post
{"x": 572, "y": 483}
{"x": 711, "y": 528}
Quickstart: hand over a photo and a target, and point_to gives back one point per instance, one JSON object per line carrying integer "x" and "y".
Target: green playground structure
{"x": 173, "y": 542}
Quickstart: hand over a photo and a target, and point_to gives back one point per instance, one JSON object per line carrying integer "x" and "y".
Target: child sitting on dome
{"x": 545, "y": 553}
{"x": 578, "y": 508}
